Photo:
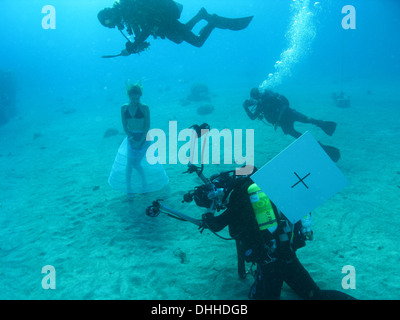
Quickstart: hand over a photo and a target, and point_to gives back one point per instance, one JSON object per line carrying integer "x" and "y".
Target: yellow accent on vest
{"x": 262, "y": 208}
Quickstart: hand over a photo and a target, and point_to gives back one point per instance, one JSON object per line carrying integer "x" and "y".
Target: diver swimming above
{"x": 274, "y": 108}
{"x": 159, "y": 18}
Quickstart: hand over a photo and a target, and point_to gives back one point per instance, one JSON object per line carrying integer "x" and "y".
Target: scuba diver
{"x": 159, "y": 18}
{"x": 274, "y": 108}
{"x": 263, "y": 235}
{"x": 266, "y": 238}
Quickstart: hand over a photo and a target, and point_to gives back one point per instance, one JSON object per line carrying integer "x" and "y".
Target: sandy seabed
{"x": 57, "y": 209}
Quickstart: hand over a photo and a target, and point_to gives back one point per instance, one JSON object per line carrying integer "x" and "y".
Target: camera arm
{"x": 156, "y": 208}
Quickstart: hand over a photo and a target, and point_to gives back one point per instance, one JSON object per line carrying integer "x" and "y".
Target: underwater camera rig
{"x": 211, "y": 195}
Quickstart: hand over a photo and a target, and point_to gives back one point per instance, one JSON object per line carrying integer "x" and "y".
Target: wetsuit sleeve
{"x": 216, "y": 223}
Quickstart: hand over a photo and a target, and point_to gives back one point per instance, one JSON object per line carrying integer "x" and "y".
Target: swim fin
{"x": 328, "y": 127}
{"x": 333, "y": 153}
{"x": 111, "y": 56}
{"x": 230, "y": 23}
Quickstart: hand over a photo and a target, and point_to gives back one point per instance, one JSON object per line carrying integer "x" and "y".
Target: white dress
{"x": 131, "y": 165}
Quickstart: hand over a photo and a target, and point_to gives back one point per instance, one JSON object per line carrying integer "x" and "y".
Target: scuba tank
{"x": 262, "y": 208}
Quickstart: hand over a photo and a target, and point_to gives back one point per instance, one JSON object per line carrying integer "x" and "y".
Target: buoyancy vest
{"x": 149, "y": 14}
{"x": 258, "y": 225}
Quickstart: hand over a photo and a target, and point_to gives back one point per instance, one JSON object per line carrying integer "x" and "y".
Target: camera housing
{"x": 214, "y": 192}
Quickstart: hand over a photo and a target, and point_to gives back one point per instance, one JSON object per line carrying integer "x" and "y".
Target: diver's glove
{"x": 206, "y": 221}
{"x": 247, "y": 103}
{"x": 250, "y": 107}
{"x": 202, "y": 227}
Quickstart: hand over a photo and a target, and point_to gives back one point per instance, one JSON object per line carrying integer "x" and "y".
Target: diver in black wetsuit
{"x": 265, "y": 237}
{"x": 159, "y": 18}
{"x": 275, "y": 109}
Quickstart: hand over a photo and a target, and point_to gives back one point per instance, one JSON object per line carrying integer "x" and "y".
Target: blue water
{"x": 68, "y": 55}
{"x": 63, "y": 69}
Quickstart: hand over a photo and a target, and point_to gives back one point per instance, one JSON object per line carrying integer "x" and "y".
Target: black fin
{"x": 333, "y": 153}
{"x": 328, "y": 127}
{"x": 231, "y": 23}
